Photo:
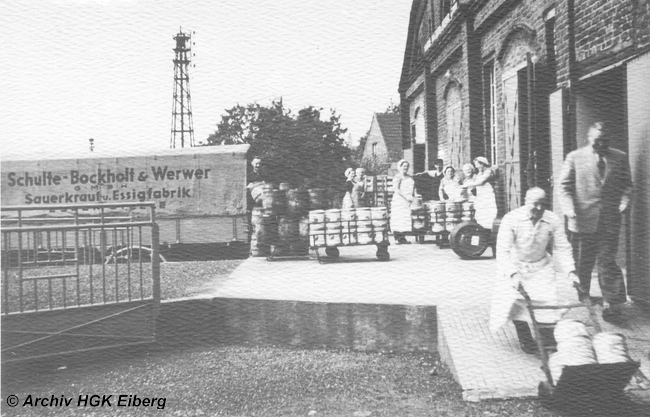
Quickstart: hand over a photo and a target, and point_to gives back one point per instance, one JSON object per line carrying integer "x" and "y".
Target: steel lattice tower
{"x": 182, "y": 125}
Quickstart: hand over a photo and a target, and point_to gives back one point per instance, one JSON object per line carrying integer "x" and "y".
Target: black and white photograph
{"x": 345, "y": 208}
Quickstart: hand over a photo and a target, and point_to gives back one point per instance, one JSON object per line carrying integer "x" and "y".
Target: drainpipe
{"x": 531, "y": 166}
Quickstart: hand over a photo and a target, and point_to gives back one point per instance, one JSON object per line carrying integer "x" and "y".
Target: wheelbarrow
{"x": 579, "y": 387}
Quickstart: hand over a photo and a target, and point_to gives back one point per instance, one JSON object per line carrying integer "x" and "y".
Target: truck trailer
{"x": 199, "y": 195}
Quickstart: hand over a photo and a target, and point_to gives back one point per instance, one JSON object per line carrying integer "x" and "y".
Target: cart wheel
{"x": 332, "y": 252}
{"x": 382, "y": 254}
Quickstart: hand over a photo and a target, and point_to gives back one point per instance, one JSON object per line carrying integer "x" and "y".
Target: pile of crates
{"x": 379, "y": 191}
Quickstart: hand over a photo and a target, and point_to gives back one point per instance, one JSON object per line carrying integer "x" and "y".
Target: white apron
{"x": 539, "y": 279}
{"x": 485, "y": 205}
{"x": 400, "y": 209}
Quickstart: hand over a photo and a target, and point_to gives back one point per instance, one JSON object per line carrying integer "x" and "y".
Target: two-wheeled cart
{"x": 579, "y": 386}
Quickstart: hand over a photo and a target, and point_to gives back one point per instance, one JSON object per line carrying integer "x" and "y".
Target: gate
{"x": 78, "y": 278}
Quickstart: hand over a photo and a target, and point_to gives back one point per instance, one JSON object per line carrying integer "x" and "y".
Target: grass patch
{"x": 266, "y": 381}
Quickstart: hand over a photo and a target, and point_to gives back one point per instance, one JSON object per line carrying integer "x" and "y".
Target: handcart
{"x": 579, "y": 386}
{"x": 332, "y": 251}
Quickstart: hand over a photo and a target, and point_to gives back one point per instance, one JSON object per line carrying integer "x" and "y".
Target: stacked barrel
{"x": 360, "y": 226}
{"x": 446, "y": 215}
{"x": 418, "y": 214}
{"x": 437, "y": 215}
{"x": 281, "y": 221}
{"x": 454, "y": 214}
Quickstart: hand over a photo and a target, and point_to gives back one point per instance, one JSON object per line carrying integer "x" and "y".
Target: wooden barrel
{"x": 317, "y": 199}
{"x": 317, "y": 216}
{"x": 300, "y": 246}
{"x": 417, "y": 203}
{"x": 363, "y": 213}
{"x": 297, "y": 202}
{"x": 333, "y": 216}
{"x": 365, "y": 234}
{"x": 264, "y": 233}
{"x": 377, "y": 213}
{"x": 469, "y": 240}
{"x": 257, "y": 192}
{"x": 419, "y": 219}
{"x": 288, "y": 234}
{"x": 349, "y": 235}
{"x": 453, "y": 206}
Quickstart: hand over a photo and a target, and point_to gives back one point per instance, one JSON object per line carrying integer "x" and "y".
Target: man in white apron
{"x": 525, "y": 237}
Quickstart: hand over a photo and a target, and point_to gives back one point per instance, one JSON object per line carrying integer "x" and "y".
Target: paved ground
{"x": 486, "y": 365}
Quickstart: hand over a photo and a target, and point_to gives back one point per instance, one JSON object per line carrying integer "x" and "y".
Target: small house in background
{"x": 383, "y": 146}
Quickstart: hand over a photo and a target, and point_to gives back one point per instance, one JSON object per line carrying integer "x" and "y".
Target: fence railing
{"x": 78, "y": 255}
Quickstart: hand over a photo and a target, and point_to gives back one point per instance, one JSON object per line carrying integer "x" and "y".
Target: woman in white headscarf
{"x": 349, "y": 185}
{"x": 400, "y": 209}
{"x": 485, "y": 204}
{"x": 359, "y": 189}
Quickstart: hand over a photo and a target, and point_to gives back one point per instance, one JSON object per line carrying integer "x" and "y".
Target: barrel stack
{"x": 282, "y": 221}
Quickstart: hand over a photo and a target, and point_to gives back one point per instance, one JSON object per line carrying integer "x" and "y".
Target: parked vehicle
{"x": 200, "y": 196}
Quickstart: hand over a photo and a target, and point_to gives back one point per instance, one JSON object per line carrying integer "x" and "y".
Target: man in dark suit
{"x": 595, "y": 189}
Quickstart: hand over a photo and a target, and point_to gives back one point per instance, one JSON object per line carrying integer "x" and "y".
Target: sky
{"x": 79, "y": 69}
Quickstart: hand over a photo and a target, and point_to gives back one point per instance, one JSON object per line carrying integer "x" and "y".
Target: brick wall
{"x": 459, "y": 76}
{"x": 603, "y": 25}
{"x": 511, "y": 32}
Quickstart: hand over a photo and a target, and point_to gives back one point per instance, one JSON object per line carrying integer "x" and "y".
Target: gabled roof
{"x": 411, "y": 49}
{"x": 390, "y": 125}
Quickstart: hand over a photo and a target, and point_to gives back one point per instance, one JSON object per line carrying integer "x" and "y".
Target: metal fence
{"x": 69, "y": 258}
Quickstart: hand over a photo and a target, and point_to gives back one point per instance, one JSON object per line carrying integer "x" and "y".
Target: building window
{"x": 549, "y": 27}
{"x": 490, "y": 112}
{"x": 413, "y": 133}
{"x": 374, "y": 150}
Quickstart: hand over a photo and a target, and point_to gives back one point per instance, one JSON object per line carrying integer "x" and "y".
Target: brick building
{"x": 520, "y": 81}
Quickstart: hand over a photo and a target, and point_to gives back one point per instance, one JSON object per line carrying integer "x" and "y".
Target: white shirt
{"x": 520, "y": 241}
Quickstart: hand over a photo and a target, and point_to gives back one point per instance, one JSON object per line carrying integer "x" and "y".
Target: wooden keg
{"x": 349, "y": 234}
{"x": 264, "y": 233}
{"x": 453, "y": 207}
{"x": 297, "y": 202}
{"x": 333, "y": 233}
{"x": 300, "y": 246}
{"x": 469, "y": 240}
{"x": 288, "y": 232}
{"x": 438, "y": 207}
{"x": 317, "y": 217}
{"x": 317, "y": 199}
{"x": 365, "y": 234}
{"x": 419, "y": 219}
{"x": 363, "y": 213}
{"x": 333, "y": 216}
{"x": 377, "y": 213}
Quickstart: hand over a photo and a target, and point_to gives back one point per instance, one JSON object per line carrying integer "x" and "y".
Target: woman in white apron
{"x": 485, "y": 204}
{"x": 400, "y": 209}
{"x": 349, "y": 185}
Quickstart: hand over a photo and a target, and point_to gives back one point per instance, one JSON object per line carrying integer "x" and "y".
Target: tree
{"x": 375, "y": 165}
{"x": 393, "y": 108}
{"x": 301, "y": 149}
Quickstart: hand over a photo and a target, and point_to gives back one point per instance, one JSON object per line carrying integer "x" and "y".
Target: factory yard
{"x": 261, "y": 381}
{"x": 235, "y": 378}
